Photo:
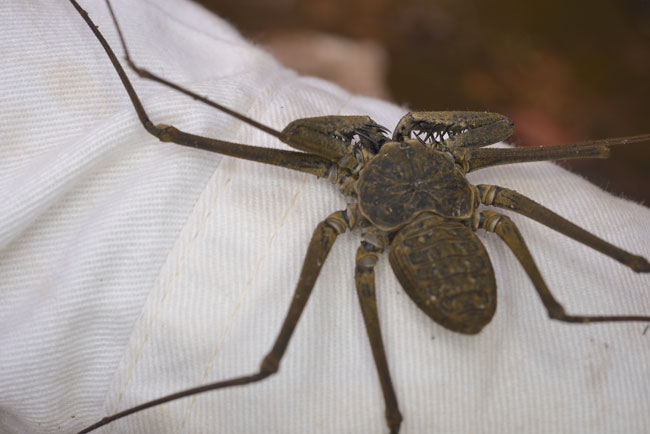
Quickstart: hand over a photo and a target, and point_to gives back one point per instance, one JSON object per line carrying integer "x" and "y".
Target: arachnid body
{"x": 450, "y": 217}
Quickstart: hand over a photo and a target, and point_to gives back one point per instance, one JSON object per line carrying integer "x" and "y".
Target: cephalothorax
{"x": 408, "y": 195}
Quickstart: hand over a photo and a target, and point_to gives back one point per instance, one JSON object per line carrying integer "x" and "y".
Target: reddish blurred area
{"x": 562, "y": 71}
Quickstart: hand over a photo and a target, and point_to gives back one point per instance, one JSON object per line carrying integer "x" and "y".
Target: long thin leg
{"x": 510, "y": 199}
{"x": 321, "y": 242}
{"x": 480, "y": 158}
{"x": 300, "y": 161}
{"x": 365, "y": 282}
{"x": 146, "y": 74}
{"x": 506, "y": 229}
{"x": 321, "y": 136}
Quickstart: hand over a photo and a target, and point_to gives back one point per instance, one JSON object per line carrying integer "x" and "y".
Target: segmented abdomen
{"x": 445, "y": 269}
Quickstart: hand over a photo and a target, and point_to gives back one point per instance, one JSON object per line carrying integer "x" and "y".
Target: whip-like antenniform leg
{"x": 300, "y": 161}
{"x": 480, "y": 158}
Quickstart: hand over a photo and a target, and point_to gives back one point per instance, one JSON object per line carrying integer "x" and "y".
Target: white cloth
{"x": 130, "y": 269}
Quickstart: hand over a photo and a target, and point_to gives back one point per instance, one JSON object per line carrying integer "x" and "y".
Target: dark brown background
{"x": 563, "y": 71}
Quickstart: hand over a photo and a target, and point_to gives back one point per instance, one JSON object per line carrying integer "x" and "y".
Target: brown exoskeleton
{"x": 409, "y": 195}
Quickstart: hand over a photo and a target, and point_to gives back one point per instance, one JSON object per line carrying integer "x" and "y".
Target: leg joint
{"x": 490, "y": 220}
{"x": 486, "y": 193}
{"x": 393, "y": 420}
{"x": 338, "y": 222}
{"x": 270, "y": 365}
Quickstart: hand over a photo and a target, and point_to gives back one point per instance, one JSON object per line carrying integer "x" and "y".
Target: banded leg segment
{"x": 300, "y": 161}
{"x": 365, "y": 283}
{"x": 508, "y": 232}
{"x": 510, "y": 199}
{"x": 321, "y": 242}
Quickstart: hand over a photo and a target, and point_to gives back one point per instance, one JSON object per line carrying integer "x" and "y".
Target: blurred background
{"x": 562, "y": 71}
